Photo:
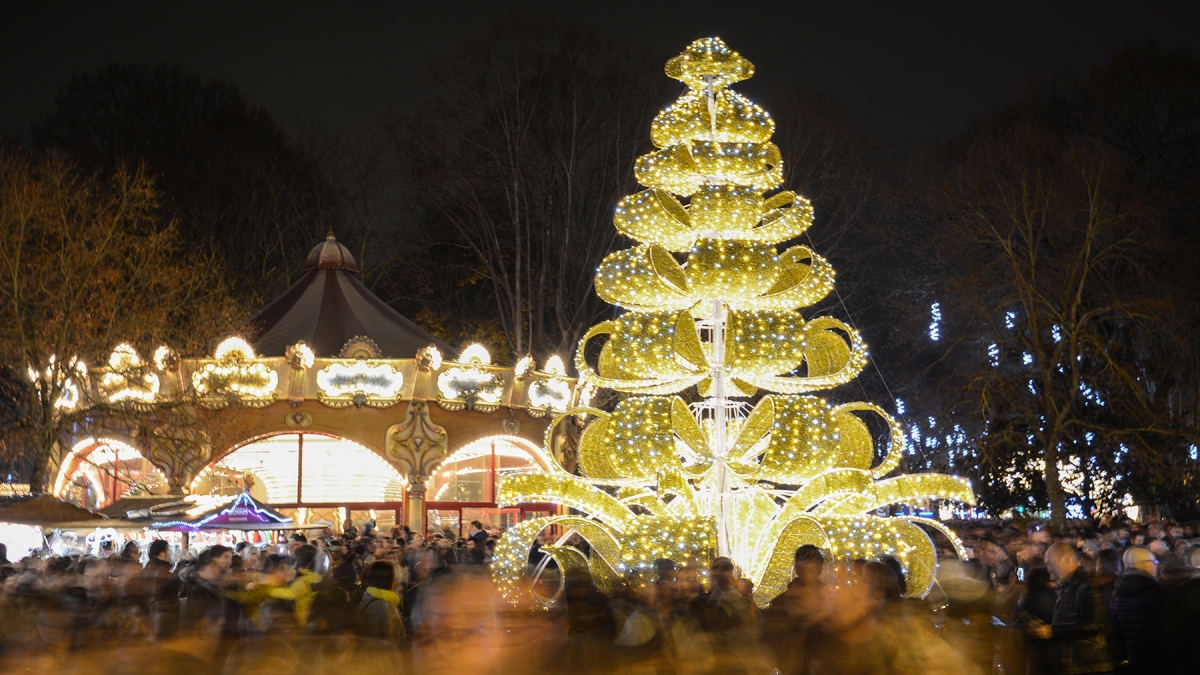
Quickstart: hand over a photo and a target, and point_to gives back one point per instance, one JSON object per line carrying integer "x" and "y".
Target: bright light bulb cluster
{"x": 713, "y": 295}
{"x": 235, "y": 374}
{"x": 126, "y": 379}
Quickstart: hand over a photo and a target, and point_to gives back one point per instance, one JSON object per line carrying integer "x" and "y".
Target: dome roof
{"x": 330, "y": 255}
{"x": 331, "y": 311}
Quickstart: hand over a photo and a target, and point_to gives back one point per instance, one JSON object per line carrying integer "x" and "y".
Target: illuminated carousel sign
{"x": 360, "y": 383}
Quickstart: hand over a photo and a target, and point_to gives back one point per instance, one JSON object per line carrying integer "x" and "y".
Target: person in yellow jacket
{"x": 300, "y": 591}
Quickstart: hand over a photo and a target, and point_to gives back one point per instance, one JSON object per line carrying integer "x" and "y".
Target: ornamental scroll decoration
{"x": 128, "y": 380}
{"x": 663, "y": 478}
{"x": 416, "y": 445}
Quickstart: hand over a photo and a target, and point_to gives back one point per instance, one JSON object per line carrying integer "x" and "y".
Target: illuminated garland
{"x": 662, "y": 478}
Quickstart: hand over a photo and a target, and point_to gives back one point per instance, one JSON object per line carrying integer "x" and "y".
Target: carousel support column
{"x": 414, "y": 504}
{"x": 416, "y": 446}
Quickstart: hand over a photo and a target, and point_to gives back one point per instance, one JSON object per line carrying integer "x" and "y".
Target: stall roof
{"x": 127, "y": 507}
{"x": 43, "y": 510}
{"x": 242, "y": 512}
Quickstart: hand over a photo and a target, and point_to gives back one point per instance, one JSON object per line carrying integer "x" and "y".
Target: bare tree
{"x": 1042, "y": 237}
{"x": 86, "y": 264}
{"x": 522, "y": 158}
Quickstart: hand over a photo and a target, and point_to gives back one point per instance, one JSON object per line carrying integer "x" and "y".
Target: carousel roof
{"x": 329, "y": 309}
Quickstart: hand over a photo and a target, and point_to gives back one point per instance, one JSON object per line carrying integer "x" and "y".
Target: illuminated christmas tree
{"x": 665, "y": 479}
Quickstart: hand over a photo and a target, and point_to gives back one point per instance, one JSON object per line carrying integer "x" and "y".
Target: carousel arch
{"x": 97, "y": 472}
{"x": 463, "y": 487}
{"x": 303, "y": 469}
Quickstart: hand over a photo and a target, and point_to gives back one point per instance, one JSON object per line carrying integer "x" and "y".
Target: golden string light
{"x": 713, "y": 298}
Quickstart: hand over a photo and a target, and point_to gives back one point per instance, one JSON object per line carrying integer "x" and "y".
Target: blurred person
{"x": 1081, "y": 627}
{"x": 851, "y": 640}
{"x": 792, "y": 615}
{"x": 640, "y": 640}
{"x": 421, "y": 564}
{"x": 268, "y": 603}
{"x": 301, "y": 590}
{"x": 131, "y": 554}
{"x": 589, "y": 624}
{"x": 1036, "y": 607}
{"x": 479, "y": 538}
{"x": 455, "y": 628}
{"x": 378, "y": 613}
{"x": 160, "y": 588}
{"x": 1138, "y": 603}
{"x": 206, "y": 610}
{"x": 729, "y": 619}
{"x": 1181, "y": 620}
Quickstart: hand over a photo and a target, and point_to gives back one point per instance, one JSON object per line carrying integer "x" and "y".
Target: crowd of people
{"x": 1114, "y": 597}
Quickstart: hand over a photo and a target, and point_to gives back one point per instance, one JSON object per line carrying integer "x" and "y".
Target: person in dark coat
{"x": 1138, "y": 604}
{"x": 378, "y": 614}
{"x": 207, "y": 610}
{"x": 1035, "y": 608}
{"x": 160, "y": 588}
{"x": 1081, "y": 627}
{"x": 792, "y": 615}
{"x": 1181, "y": 619}
{"x": 479, "y": 538}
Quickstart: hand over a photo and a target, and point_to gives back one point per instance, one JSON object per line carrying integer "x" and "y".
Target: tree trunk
{"x": 40, "y": 475}
{"x": 1054, "y": 491}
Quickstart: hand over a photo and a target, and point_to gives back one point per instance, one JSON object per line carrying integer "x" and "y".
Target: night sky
{"x": 907, "y": 75}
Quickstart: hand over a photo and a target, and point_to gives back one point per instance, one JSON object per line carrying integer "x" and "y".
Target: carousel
{"x": 336, "y": 410}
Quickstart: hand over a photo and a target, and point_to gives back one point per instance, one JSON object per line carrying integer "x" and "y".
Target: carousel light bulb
{"x": 234, "y": 347}
{"x": 555, "y": 366}
{"x": 476, "y": 353}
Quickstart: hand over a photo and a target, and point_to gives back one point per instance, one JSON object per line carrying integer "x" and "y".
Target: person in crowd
{"x": 1081, "y": 626}
{"x": 479, "y": 540}
{"x": 378, "y": 613}
{"x": 1138, "y": 604}
{"x": 792, "y": 616}
{"x": 729, "y": 619}
{"x": 1036, "y": 608}
{"x": 206, "y": 609}
{"x": 159, "y": 590}
{"x": 456, "y": 628}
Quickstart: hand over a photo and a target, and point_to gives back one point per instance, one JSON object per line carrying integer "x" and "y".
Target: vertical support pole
{"x": 720, "y": 443}
{"x": 492, "y": 475}
{"x": 300, "y": 470}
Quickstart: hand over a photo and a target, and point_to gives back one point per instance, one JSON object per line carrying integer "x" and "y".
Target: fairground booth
{"x": 337, "y": 408}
